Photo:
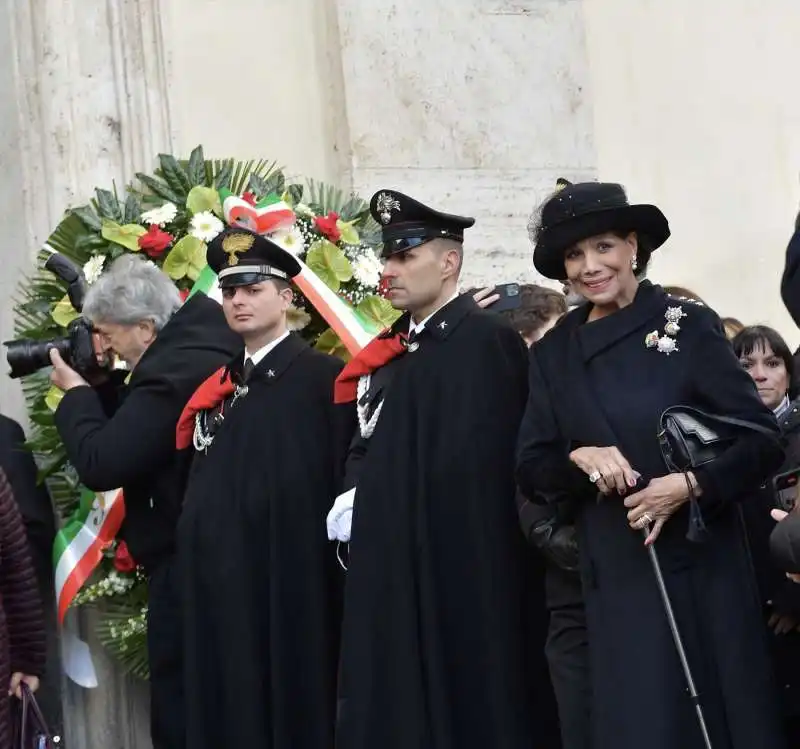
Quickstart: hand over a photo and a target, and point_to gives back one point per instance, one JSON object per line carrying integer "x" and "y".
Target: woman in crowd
{"x": 22, "y": 637}
{"x": 732, "y": 327}
{"x": 598, "y": 384}
{"x": 765, "y": 356}
{"x": 683, "y": 294}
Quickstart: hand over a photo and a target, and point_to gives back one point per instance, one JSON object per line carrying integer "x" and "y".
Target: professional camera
{"x": 26, "y": 356}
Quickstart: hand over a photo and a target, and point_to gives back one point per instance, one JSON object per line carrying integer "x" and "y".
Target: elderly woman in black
{"x": 599, "y": 382}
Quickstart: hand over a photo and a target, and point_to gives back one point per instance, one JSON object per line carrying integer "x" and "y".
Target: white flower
{"x": 160, "y": 216}
{"x": 301, "y": 209}
{"x": 205, "y": 226}
{"x": 667, "y": 345}
{"x": 367, "y": 270}
{"x": 94, "y": 268}
{"x": 290, "y": 239}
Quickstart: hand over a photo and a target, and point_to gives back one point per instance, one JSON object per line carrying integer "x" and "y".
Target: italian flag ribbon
{"x": 79, "y": 545}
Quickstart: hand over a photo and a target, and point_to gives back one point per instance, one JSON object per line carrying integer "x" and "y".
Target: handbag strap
{"x": 29, "y": 703}
{"x": 730, "y": 420}
{"x": 733, "y": 421}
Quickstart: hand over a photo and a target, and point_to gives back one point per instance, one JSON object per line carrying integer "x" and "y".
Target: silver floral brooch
{"x": 666, "y": 342}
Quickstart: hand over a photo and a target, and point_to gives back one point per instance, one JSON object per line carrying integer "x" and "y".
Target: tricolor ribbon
{"x": 77, "y": 551}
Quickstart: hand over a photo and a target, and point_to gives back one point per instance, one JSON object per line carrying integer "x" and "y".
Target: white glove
{"x": 340, "y": 517}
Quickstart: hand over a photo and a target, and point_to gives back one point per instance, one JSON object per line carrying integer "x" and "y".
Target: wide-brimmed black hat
{"x": 407, "y": 223}
{"x": 241, "y": 257}
{"x": 584, "y": 210}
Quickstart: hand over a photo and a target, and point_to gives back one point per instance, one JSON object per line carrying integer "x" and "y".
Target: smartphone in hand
{"x": 509, "y": 294}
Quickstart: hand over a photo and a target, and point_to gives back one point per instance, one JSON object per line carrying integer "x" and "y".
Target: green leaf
{"x": 204, "y": 199}
{"x": 132, "y": 211}
{"x": 64, "y": 313}
{"x": 197, "y": 167}
{"x": 257, "y": 186}
{"x": 187, "y": 258}
{"x": 157, "y": 187}
{"x": 329, "y": 263}
{"x": 126, "y": 236}
{"x": 330, "y": 343}
{"x": 174, "y": 174}
{"x": 90, "y": 242}
{"x": 275, "y": 184}
{"x": 349, "y": 234}
{"x": 108, "y": 205}
{"x": 223, "y": 175}
{"x": 295, "y": 194}
{"x": 53, "y": 398}
{"x": 87, "y": 214}
{"x": 378, "y": 310}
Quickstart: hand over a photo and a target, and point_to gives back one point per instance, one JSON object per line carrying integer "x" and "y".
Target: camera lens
{"x": 26, "y": 356}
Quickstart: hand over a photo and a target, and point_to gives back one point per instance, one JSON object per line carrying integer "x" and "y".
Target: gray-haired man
{"x": 123, "y": 435}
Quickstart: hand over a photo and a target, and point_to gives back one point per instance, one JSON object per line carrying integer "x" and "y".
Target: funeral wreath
{"x": 169, "y": 216}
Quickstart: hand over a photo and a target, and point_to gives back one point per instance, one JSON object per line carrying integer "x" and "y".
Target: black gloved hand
{"x": 559, "y": 543}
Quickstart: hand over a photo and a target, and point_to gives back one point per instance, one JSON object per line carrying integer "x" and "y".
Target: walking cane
{"x": 676, "y": 636}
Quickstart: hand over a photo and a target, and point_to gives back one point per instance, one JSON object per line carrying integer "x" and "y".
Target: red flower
{"x": 184, "y": 293}
{"x": 327, "y": 225}
{"x": 123, "y": 561}
{"x": 249, "y": 197}
{"x": 155, "y": 241}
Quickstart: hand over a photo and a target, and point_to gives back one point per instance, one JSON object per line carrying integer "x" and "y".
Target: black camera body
{"x": 26, "y": 356}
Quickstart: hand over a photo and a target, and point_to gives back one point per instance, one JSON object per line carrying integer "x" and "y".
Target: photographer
{"x": 119, "y": 435}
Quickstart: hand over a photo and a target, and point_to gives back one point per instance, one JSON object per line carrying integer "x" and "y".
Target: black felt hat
{"x": 584, "y": 210}
{"x": 240, "y": 257}
{"x": 407, "y": 223}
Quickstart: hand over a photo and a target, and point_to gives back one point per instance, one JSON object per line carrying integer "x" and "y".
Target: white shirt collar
{"x": 257, "y": 356}
{"x": 783, "y": 407}
{"x": 419, "y": 327}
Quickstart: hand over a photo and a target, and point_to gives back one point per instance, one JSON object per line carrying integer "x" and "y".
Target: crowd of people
{"x": 476, "y": 532}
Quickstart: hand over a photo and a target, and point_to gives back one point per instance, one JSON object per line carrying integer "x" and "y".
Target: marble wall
{"x": 695, "y": 108}
{"x": 475, "y": 106}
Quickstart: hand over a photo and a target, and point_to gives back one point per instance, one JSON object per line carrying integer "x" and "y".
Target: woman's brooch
{"x": 666, "y": 343}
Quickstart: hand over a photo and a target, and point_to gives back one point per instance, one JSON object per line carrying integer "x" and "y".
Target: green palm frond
{"x": 130, "y": 651}
{"x": 324, "y": 198}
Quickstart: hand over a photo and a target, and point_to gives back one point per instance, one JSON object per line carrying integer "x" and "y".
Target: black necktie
{"x": 248, "y": 369}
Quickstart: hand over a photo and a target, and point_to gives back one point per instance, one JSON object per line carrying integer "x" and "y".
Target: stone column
{"x": 83, "y": 103}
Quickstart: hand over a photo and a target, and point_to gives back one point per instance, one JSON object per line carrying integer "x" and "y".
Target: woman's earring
{"x": 634, "y": 263}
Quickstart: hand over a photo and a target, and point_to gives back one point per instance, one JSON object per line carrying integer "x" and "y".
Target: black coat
{"x": 790, "y": 281}
{"x": 31, "y": 498}
{"x": 432, "y": 642}
{"x": 260, "y": 579}
{"x": 785, "y": 544}
{"x": 778, "y": 594}
{"x": 135, "y": 447}
{"x": 598, "y": 384}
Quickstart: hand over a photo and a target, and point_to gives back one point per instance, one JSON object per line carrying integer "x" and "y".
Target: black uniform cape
{"x": 261, "y": 583}
{"x": 432, "y": 651}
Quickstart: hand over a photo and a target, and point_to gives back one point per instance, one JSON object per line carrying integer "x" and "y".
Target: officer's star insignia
{"x": 271, "y": 373}
{"x": 386, "y": 205}
{"x": 442, "y": 325}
